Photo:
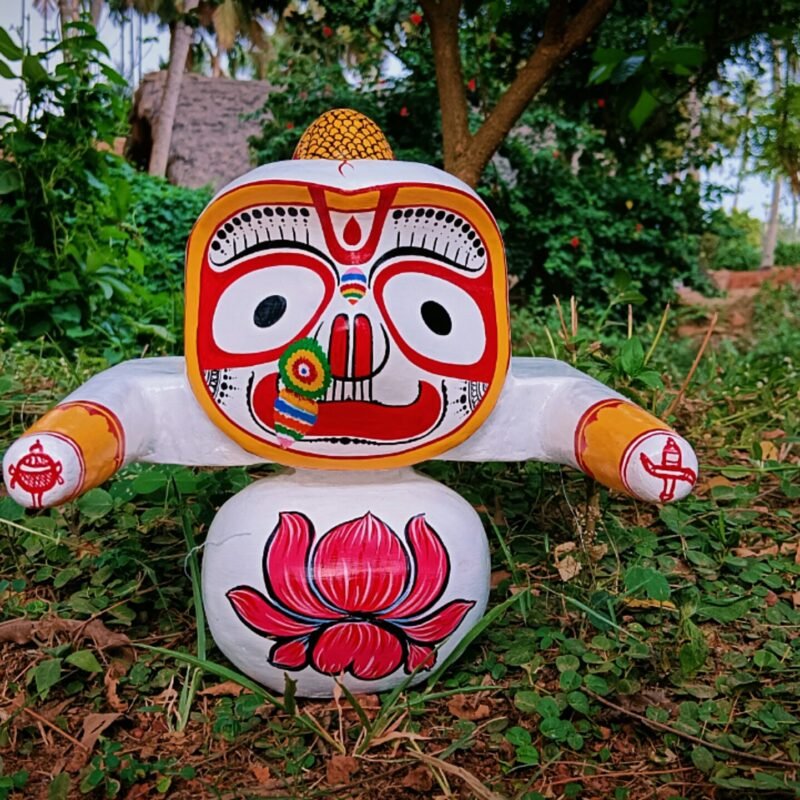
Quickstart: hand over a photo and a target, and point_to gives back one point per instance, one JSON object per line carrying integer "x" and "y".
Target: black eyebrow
{"x": 398, "y": 252}
{"x": 277, "y": 244}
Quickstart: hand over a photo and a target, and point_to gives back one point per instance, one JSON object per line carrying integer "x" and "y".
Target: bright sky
{"x": 155, "y": 47}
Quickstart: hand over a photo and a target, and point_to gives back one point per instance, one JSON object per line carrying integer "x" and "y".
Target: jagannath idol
{"x": 347, "y": 317}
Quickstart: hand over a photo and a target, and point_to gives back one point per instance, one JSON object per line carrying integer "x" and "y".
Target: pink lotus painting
{"x": 357, "y": 599}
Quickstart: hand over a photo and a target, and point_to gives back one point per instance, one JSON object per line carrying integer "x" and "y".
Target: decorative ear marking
{"x": 343, "y": 135}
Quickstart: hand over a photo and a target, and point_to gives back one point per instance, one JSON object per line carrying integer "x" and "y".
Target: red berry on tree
{"x": 575, "y": 242}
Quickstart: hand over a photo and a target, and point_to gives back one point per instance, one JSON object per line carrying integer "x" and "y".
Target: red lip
{"x": 359, "y": 419}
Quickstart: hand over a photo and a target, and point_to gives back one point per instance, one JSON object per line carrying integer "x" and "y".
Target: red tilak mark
{"x": 344, "y": 164}
{"x": 670, "y": 470}
{"x": 352, "y": 232}
{"x": 36, "y": 473}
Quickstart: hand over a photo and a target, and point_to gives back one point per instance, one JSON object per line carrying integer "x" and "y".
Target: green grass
{"x": 669, "y": 666}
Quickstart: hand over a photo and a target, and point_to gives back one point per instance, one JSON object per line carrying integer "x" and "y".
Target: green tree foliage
{"x": 576, "y": 210}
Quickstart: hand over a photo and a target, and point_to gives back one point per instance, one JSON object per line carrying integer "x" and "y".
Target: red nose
{"x": 350, "y": 348}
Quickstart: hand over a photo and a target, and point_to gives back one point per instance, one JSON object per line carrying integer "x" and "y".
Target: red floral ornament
{"x": 472, "y": 84}
{"x": 355, "y": 600}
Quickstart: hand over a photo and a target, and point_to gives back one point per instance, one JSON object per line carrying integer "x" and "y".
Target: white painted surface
{"x": 234, "y": 553}
{"x": 535, "y": 416}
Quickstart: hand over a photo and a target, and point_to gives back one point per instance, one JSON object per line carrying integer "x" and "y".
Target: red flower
{"x": 416, "y": 18}
{"x": 472, "y": 84}
{"x": 404, "y": 112}
{"x": 327, "y": 31}
{"x": 601, "y": 103}
{"x": 355, "y": 600}
{"x": 575, "y": 242}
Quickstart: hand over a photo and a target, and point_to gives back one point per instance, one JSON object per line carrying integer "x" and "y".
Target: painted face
{"x": 347, "y": 314}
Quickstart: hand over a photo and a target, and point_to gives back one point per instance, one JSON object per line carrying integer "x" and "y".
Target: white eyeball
{"x": 266, "y": 308}
{"x": 436, "y": 318}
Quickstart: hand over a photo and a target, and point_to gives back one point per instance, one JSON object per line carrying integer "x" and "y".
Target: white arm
{"x": 550, "y": 411}
{"x": 141, "y": 410}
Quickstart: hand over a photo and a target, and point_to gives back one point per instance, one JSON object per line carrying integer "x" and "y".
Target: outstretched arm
{"x": 140, "y": 410}
{"x": 549, "y": 411}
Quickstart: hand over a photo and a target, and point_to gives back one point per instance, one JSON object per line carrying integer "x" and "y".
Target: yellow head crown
{"x": 343, "y": 135}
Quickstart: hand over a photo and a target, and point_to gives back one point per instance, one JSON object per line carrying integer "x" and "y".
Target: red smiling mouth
{"x": 359, "y": 419}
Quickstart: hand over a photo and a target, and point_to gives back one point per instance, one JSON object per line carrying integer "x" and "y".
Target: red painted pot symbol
{"x": 36, "y": 473}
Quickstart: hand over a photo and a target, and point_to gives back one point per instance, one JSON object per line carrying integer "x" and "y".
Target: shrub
{"x": 787, "y": 254}
{"x": 92, "y": 252}
{"x": 576, "y": 221}
{"x": 731, "y": 241}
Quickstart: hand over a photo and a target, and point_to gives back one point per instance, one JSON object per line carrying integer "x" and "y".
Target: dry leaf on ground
{"x": 224, "y": 689}
{"x": 567, "y": 565}
{"x": 468, "y": 707}
{"x": 340, "y": 769}
{"x": 418, "y": 779}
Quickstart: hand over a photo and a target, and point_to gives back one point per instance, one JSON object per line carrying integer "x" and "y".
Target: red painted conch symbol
{"x": 355, "y": 600}
{"x": 670, "y": 470}
{"x": 36, "y": 473}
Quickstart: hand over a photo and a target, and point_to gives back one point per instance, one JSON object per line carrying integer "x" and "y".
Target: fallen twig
{"x": 676, "y": 401}
{"x": 651, "y": 723}
{"x": 477, "y": 787}
{"x": 53, "y": 726}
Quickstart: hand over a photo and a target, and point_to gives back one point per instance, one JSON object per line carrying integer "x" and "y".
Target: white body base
{"x": 335, "y": 577}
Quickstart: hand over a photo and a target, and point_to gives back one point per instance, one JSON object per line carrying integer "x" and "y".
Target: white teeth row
{"x": 349, "y": 390}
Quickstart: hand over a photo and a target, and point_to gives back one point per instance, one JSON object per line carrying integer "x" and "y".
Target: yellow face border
{"x": 280, "y": 191}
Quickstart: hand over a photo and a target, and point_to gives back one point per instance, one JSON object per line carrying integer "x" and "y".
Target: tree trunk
{"x": 742, "y": 169}
{"x": 97, "y": 11}
{"x": 465, "y": 154}
{"x": 694, "y": 109}
{"x": 68, "y": 11}
{"x": 771, "y": 233}
{"x": 162, "y": 133}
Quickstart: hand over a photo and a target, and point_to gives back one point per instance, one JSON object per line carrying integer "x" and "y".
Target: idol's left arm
{"x": 550, "y": 411}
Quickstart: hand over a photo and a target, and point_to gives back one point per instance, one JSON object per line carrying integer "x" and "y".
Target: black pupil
{"x": 269, "y": 310}
{"x": 436, "y": 317}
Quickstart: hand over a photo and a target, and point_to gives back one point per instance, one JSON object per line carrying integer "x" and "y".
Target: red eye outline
{"x": 212, "y": 286}
{"x": 478, "y": 288}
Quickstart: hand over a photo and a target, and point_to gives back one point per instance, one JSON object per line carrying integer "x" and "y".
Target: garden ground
{"x": 629, "y": 652}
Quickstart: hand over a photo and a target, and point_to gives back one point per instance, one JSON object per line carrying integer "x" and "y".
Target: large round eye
{"x": 266, "y": 308}
{"x": 436, "y": 318}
